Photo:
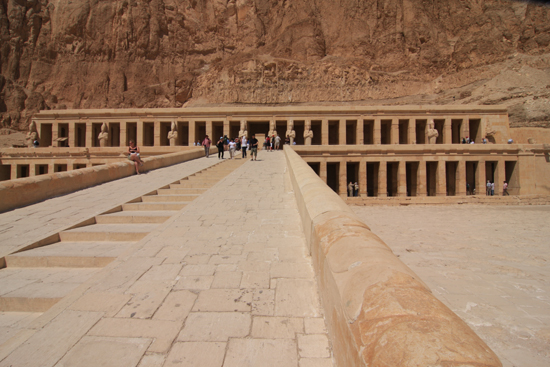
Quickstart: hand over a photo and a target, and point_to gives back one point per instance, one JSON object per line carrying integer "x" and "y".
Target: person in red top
{"x": 505, "y": 189}
{"x": 206, "y": 144}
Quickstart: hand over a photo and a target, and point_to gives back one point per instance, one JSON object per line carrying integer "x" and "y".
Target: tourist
{"x": 505, "y": 189}
{"x": 238, "y": 142}
{"x": 510, "y": 141}
{"x": 356, "y": 189}
{"x": 253, "y": 148}
{"x": 463, "y": 140}
{"x": 221, "y": 146}
{"x": 350, "y": 189}
{"x": 133, "y": 155}
{"x": 35, "y": 143}
{"x": 468, "y": 189}
{"x": 232, "y": 148}
{"x": 488, "y": 193}
{"x": 206, "y": 144}
{"x": 287, "y": 140}
{"x": 272, "y": 142}
{"x": 484, "y": 141}
{"x": 277, "y": 142}
{"x": 244, "y": 146}
{"x": 492, "y": 188}
{"x": 267, "y": 145}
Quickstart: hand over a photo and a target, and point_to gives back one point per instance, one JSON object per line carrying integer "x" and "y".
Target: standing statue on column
{"x": 272, "y": 129}
{"x": 32, "y": 136}
{"x": 173, "y": 134}
{"x": 308, "y": 133}
{"x": 243, "y": 132}
{"x": 290, "y": 131}
{"x": 432, "y": 133}
{"x": 103, "y": 135}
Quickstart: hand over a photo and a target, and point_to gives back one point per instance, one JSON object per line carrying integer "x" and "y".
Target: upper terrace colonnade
{"x": 327, "y": 125}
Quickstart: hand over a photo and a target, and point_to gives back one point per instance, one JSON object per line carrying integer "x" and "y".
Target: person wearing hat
{"x": 220, "y": 145}
{"x": 254, "y": 148}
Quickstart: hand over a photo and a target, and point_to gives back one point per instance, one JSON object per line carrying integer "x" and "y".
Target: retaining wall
{"x": 379, "y": 313}
{"x": 25, "y": 191}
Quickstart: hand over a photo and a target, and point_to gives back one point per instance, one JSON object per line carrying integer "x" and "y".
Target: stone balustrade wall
{"x": 379, "y": 313}
{"x": 25, "y": 191}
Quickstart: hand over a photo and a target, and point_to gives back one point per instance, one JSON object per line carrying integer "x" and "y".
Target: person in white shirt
{"x": 244, "y": 146}
{"x": 232, "y": 148}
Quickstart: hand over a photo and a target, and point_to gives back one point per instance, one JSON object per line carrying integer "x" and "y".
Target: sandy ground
{"x": 489, "y": 264}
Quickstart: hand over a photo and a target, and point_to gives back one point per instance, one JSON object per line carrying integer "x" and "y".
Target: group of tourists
{"x": 273, "y": 142}
{"x": 353, "y": 189}
{"x": 225, "y": 144}
{"x": 491, "y": 188}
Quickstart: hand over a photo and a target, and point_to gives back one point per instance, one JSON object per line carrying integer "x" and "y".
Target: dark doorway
{"x": 334, "y": 132}
{"x": 131, "y": 132}
{"x": 351, "y": 132}
{"x": 490, "y": 171}
{"x": 96, "y": 130}
{"x": 22, "y": 170}
{"x": 333, "y": 175}
{"x": 352, "y": 173}
{"x": 412, "y": 178}
{"x": 475, "y": 131}
{"x": 316, "y": 167}
{"x": 368, "y": 132}
{"x": 80, "y": 135}
{"x": 200, "y": 131}
{"x": 431, "y": 178}
{"x": 299, "y": 129}
{"x": 421, "y": 131}
{"x": 41, "y": 169}
{"x": 451, "y": 174}
{"x": 45, "y": 135}
{"x": 385, "y": 132}
{"x": 59, "y": 167}
{"x": 63, "y": 132}
{"x": 439, "y": 125}
{"x": 372, "y": 178}
{"x": 5, "y": 172}
{"x": 281, "y": 130}
{"x": 456, "y": 127}
{"x": 512, "y": 177}
{"x": 114, "y": 134}
{"x": 316, "y": 127}
{"x": 217, "y": 131}
{"x": 258, "y": 127}
{"x": 471, "y": 169}
{"x": 392, "y": 178}
{"x": 165, "y": 128}
{"x": 403, "y": 131}
{"x": 183, "y": 133}
{"x": 148, "y": 134}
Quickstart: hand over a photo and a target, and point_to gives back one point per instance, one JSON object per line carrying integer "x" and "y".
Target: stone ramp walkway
{"x": 225, "y": 282}
{"x": 26, "y": 225}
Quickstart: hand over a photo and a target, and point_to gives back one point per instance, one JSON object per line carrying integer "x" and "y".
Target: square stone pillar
{"x": 377, "y": 131}
{"x": 191, "y": 137}
{"x": 32, "y": 169}
{"x": 226, "y": 129}
{"x": 359, "y": 138}
{"x": 51, "y": 168}
{"x": 461, "y": 179}
{"x": 323, "y": 171}
{"x": 383, "y": 180}
{"x": 343, "y": 185}
{"x": 402, "y": 179}
{"x": 441, "y": 180}
{"x": 465, "y": 128}
{"x": 72, "y": 135}
{"x": 13, "y": 174}
{"x": 481, "y": 183}
{"x": 123, "y": 133}
{"x": 342, "y": 132}
{"x": 362, "y": 178}
{"x": 324, "y": 133}
{"x": 447, "y": 131}
{"x": 156, "y": 139}
{"x": 394, "y": 131}
{"x": 139, "y": 133}
{"x": 55, "y": 135}
{"x": 89, "y": 137}
{"x": 209, "y": 130}
{"x": 412, "y": 132}
{"x": 500, "y": 177}
{"x": 421, "y": 183}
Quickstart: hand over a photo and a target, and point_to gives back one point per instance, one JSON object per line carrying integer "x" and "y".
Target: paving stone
{"x": 227, "y": 279}
{"x": 108, "y": 303}
{"x": 152, "y": 360}
{"x": 276, "y": 327}
{"x": 215, "y": 326}
{"x": 316, "y": 362}
{"x": 263, "y": 302}
{"x": 297, "y": 297}
{"x": 195, "y": 354}
{"x": 313, "y": 346}
{"x": 261, "y": 352}
{"x": 255, "y": 280}
{"x": 224, "y": 300}
{"x": 194, "y": 282}
{"x": 315, "y": 325}
{"x": 292, "y": 270}
{"x": 176, "y": 306}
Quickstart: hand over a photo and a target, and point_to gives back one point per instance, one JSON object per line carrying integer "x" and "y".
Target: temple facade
{"x": 390, "y": 151}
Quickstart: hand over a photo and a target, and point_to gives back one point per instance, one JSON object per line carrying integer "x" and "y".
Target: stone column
{"x": 209, "y": 130}
{"x": 377, "y": 131}
{"x": 394, "y": 131}
{"x": 461, "y": 180}
{"x": 323, "y": 171}
{"x": 32, "y": 169}
{"x": 500, "y": 177}
{"x": 412, "y": 132}
{"x": 362, "y": 178}
{"x": 441, "y": 180}
{"x": 481, "y": 189}
{"x": 89, "y": 137}
{"x": 342, "y": 132}
{"x": 55, "y": 134}
{"x": 51, "y": 168}
{"x": 191, "y": 137}
{"x": 139, "y": 133}
{"x": 402, "y": 179}
{"x": 359, "y": 135}
{"x": 465, "y": 128}
{"x": 383, "y": 180}
{"x": 123, "y": 133}
{"x": 343, "y": 185}
{"x": 156, "y": 135}
{"x": 13, "y": 174}
{"x": 72, "y": 135}
{"x": 421, "y": 183}
{"x": 226, "y": 128}
{"x": 447, "y": 131}
{"x": 324, "y": 133}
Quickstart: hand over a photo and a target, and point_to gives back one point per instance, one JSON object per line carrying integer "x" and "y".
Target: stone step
{"x": 69, "y": 255}
{"x": 134, "y": 217}
{"x": 38, "y": 289}
{"x": 153, "y": 206}
{"x": 167, "y": 198}
{"x": 192, "y": 185}
{"x": 108, "y": 232}
{"x": 181, "y": 191}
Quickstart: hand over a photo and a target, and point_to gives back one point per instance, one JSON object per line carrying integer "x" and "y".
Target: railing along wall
{"x": 378, "y": 311}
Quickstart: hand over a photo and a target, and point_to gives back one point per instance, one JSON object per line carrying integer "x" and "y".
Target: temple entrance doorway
{"x": 412, "y": 178}
{"x": 471, "y": 169}
{"x": 333, "y": 175}
{"x": 316, "y": 127}
{"x": 372, "y": 178}
{"x": 392, "y": 178}
{"x": 260, "y": 129}
{"x": 131, "y": 133}
{"x": 431, "y": 178}
{"x": 316, "y": 167}
{"x": 451, "y": 169}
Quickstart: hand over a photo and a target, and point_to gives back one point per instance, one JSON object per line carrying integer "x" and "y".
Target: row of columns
{"x": 421, "y": 177}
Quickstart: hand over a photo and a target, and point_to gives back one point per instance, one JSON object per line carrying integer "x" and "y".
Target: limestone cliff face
{"x": 167, "y": 53}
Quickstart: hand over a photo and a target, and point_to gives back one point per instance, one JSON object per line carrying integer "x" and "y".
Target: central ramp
{"x": 225, "y": 281}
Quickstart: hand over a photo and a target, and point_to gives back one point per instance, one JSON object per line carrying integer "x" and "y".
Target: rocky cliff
{"x": 57, "y": 54}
